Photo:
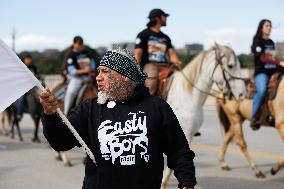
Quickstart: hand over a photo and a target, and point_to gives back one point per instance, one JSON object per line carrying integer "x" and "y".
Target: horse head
{"x": 226, "y": 73}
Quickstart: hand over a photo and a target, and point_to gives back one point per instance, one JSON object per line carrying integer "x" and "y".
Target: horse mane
{"x": 193, "y": 68}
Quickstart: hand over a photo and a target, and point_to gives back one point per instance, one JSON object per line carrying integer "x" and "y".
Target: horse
{"x": 5, "y": 115}
{"x": 87, "y": 91}
{"x": 220, "y": 66}
{"x": 33, "y": 107}
{"x": 232, "y": 113}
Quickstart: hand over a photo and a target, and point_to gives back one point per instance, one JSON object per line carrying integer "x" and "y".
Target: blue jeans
{"x": 21, "y": 105}
{"x": 261, "y": 81}
{"x": 71, "y": 92}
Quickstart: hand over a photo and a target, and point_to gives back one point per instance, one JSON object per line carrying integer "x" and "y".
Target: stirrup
{"x": 255, "y": 124}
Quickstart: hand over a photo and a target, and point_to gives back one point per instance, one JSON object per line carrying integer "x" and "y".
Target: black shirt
{"x": 128, "y": 142}
{"x": 154, "y": 45}
{"x": 260, "y": 47}
{"x": 33, "y": 69}
{"x": 78, "y": 60}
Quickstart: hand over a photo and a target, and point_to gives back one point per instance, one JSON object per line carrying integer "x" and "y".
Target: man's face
{"x": 114, "y": 85}
{"x": 163, "y": 20}
{"x": 78, "y": 46}
{"x": 27, "y": 61}
{"x": 107, "y": 78}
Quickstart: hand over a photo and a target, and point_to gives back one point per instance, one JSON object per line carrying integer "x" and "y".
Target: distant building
{"x": 129, "y": 45}
{"x": 190, "y": 49}
{"x": 194, "y": 48}
{"x": 279, "y": 46}
{"x": 101, "y": 50}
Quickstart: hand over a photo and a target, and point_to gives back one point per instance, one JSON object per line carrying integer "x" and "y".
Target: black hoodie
{"x": 128, "y": 142}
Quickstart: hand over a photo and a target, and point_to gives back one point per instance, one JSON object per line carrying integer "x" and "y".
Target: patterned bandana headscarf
{"x": 123, "y": 62}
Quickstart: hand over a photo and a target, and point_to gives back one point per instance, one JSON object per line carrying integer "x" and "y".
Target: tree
{"x": 51, "y": 61}
{"x": 246, "y": 61}
{"x": 185, "y": 59}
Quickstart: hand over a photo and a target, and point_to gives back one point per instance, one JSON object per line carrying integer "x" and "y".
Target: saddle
{"x": 271, "y": 88}
{"x": 164, "y": 81}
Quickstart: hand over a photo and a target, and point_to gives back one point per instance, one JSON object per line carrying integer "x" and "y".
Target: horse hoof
{"x": 260, "y": 175}
{"x": 36, "y": 140}
{"x": 197, "y": 134}
{"x": 58, "y": 158}
{"x": 272, "y": 171}
{"x": 21, "y": 139}
{"x": 226, "y": 168}
{"x": 68, "y": 164}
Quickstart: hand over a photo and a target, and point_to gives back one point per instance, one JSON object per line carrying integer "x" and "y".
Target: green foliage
{"x": 50, "y": 61}
{"x": 246, "y": 61}
{"x": 185, "y": 59}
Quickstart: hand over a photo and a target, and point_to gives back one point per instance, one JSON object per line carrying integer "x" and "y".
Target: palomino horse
{"x": 193, "y": 84}
{"x": 87, "y": 91}
{"x": 5, "y": 115}
{"x": 232, "y": 113}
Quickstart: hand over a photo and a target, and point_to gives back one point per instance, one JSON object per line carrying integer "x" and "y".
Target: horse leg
{"x": 227, "y": 139}
{"x": 166, "y": 177}
{"x": 36, "y": 138}
{"x": 65, "y": 159}
{"x": 275, "y": 168}
{"x": 19, "y": 131}
{"x": 12, "y": 129}
{"x": 58, "y": 156}
{"x": 3, "y": 130}
{"x": 239, "y": 137}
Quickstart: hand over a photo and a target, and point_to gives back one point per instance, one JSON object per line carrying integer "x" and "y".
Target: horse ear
{"x": 217, "y": 45}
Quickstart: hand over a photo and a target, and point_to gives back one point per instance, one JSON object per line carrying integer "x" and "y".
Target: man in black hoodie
{"x": 127, "y": 130}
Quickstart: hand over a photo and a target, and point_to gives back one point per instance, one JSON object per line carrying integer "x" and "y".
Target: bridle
{"x": 227, "y": 80}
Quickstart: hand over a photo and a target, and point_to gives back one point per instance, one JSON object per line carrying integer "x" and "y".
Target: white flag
{"x": 15, "y": 78}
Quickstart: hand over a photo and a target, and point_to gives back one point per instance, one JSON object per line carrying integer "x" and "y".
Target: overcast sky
{"x": 42, "y": 24}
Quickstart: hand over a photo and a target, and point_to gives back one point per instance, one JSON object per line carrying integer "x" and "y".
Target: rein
{"x": 218, "y": 59}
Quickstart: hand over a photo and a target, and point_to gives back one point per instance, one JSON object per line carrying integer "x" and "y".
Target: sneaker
{"x": 255, "y": 124}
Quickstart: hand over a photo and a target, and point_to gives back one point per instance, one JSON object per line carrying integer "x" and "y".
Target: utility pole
{"x": 13, "y": 39}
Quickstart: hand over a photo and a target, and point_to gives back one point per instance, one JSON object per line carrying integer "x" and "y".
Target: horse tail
{"x": 223, "y": 118}
{"x": 10, "y": 112}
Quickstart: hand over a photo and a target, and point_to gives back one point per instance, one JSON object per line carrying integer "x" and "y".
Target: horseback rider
{"x": 27, "y": 59}
{"x": 152, "y": 47}
{"x": 79, "y": 66}
{"x": 263, "y": 49}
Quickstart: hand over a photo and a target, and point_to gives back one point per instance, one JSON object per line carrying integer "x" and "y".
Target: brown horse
{"x": 233, "y": 113}
{"x": 87, "y": 91}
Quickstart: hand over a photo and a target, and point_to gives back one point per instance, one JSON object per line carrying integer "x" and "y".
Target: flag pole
{"x": 14, "y": 57}
{"x": 70, "y": 127}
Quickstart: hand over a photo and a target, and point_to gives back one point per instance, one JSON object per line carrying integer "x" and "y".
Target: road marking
{"x": 235, "y": 150}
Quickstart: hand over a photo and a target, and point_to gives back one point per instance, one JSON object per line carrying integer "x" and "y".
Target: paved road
{"x": 32, "y": 165}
